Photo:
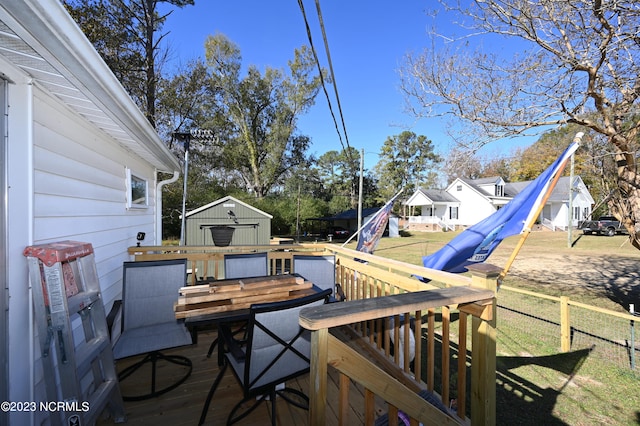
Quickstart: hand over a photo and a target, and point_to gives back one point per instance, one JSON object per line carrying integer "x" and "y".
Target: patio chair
{"x": 321, "y": 271}
{"x": 243, "y": 265}
{"x": 277, "y": 349}
{"x": 148, "y": 322}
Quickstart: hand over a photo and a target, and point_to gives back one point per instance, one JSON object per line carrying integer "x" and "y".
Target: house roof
{"x": 485, "y": 181}
{"x": 43, "y": 41}
{"x": 224, "y": 200}
{"x": 436, "y": 196}
{"x": 511, "y": 189}
{"x": 476, "y": 185}
{"x": 559, "y": 194}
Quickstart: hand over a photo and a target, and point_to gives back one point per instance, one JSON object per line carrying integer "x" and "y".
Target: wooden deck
{"x": 182, "y": 406}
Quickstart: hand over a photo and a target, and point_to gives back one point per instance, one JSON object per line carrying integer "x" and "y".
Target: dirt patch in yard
{"x": 616, "y": 277}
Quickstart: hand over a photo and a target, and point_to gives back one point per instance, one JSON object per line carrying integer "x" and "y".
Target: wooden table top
{"x": 228, "y": 298}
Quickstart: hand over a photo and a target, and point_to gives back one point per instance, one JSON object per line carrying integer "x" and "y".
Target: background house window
{"x": 459, "y": 188}
{"x": 499, "y": 191}
{"x": 453, "y": 212}
{"x": 137, "y": 191}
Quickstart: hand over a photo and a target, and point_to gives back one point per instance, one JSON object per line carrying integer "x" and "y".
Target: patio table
{"x": 229, "y": 300}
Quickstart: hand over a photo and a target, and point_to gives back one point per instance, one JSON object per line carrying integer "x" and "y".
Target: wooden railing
{"x": 392, "y": 362}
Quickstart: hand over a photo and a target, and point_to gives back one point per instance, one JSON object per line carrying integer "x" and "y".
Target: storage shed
{"x": 227, "y": 221}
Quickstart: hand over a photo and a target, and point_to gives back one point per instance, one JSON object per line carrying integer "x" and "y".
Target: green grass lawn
{"x": 536, "y": 383}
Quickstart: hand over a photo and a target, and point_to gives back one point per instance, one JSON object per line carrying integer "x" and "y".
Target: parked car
{"x": 339, "y": 232}
{"x": 605, "y": 225}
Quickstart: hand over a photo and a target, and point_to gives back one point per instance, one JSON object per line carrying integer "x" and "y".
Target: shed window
{"x": 137, "y": 190}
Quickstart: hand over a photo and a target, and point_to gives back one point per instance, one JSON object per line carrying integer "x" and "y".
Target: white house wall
{"x": 67, "y": 181}
{"x": 559, "y": 214}
{"x": 473, "y": 206}
{"x": 584, "y": 203}
{"x": 81, "y": 190}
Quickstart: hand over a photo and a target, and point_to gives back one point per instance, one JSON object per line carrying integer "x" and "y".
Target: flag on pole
{"x": 477, "y": 242}
{"x": 371, "y": 232}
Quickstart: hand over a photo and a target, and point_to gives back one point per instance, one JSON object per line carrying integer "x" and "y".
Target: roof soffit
{"x": 41, "y": 39}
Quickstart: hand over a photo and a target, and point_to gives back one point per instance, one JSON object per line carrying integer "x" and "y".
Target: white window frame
{"x": 135, "y": 181}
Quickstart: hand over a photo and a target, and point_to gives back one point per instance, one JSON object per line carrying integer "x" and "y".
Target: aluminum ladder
{"x": 78, "y": 365}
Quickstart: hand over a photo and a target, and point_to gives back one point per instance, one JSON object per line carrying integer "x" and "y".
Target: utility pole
{"x": 298, "y": 217}
{"x": 360, "y": 189}
{"x": 570, "y": 228}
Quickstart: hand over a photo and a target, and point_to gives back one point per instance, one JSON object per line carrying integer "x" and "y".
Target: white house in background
{"x": 466, "y": 202}
{"x": 555, "y": 214}
{"x": 79, "y": 162}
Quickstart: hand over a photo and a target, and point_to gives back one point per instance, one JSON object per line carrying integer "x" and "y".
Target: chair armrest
{"x": 114, "y": 319}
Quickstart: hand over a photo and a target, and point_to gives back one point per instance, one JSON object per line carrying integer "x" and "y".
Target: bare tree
{"x": 574, "y": 62}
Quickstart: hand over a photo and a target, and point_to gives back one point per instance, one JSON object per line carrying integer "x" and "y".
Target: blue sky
{"x": 367, "y": 42}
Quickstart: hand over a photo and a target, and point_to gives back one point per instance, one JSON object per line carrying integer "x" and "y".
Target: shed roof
{"x": 224, "y": 200}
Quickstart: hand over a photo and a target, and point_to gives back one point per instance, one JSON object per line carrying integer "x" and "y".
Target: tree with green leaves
{"x": 573, "y": 62}
{"x": 262, "y": 111}
{"x": 406, "y": 161}
{"x": 340, "y": 174}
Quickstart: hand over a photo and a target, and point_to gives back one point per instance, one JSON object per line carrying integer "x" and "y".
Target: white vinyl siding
{"x": 473, "y": 206}
{"x": 81, "y": 194}
{"x": 81, "y": 189}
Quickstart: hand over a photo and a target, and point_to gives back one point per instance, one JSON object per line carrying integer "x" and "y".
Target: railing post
{"x": 565, "y": 325}
{"x": 632, "y": 325}
{"x": 483, "y": 345}
{"x": 318, "y": 377}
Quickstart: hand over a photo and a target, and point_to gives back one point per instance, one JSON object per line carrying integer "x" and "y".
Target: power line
{"x": 324, "y": 88}
{"x": 333, "y": 77}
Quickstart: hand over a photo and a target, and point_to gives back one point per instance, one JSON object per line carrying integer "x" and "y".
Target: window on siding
{"x": 458, "y": 187}
{"x": 137, "y": 191}
{"x": 499, "y": 191}
{"x": 453, "y": 212}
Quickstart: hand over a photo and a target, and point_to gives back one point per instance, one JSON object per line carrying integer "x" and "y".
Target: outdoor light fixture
{"x": 186, "y": 138}
{"x": 140, "y": 237}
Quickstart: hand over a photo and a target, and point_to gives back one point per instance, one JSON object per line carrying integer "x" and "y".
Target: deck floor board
{"x": 182, "y": 406}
